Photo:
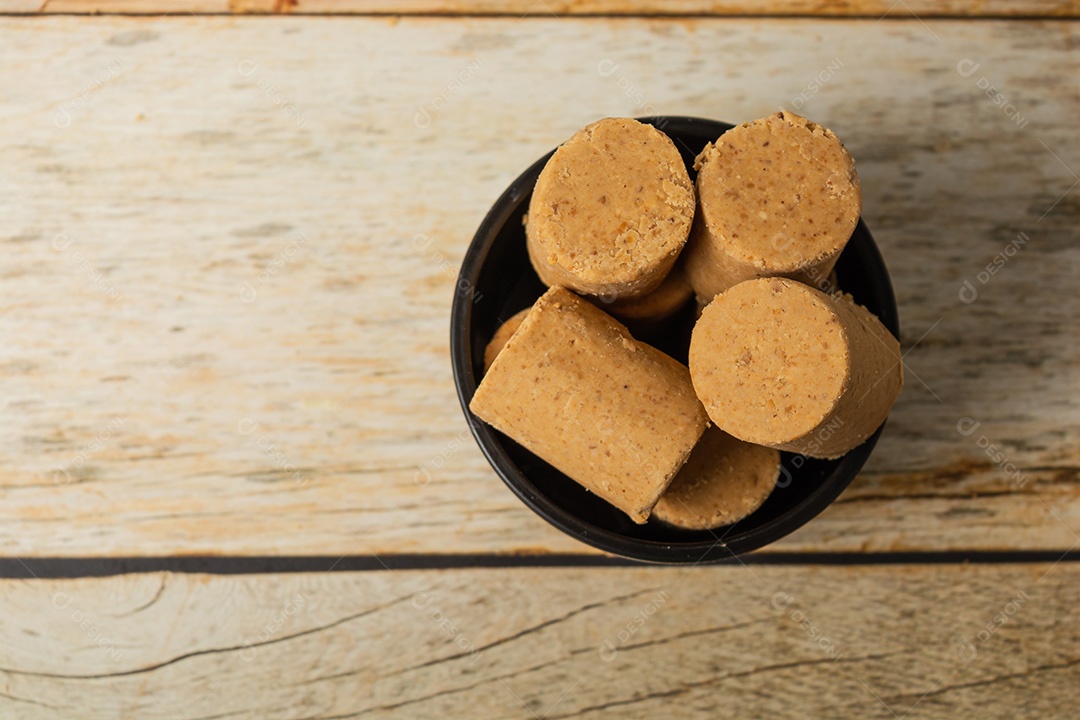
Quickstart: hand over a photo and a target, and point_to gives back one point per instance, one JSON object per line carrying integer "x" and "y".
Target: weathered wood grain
{"x": 230, "y": 248}
{"x": 784, "y": 642}
{"x": 841, "y": 8}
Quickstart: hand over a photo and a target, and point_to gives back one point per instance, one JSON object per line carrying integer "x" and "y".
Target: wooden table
{"x": 237, "y": 481}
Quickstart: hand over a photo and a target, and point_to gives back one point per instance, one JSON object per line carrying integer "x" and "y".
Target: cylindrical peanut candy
{"x": 572, "y": 386}
{"x": 723, "y": 481}
{"x": 611, "y": 210}
{"x": 650, "y": 314}
{"x": 502, "y": 334}
{"x": 778, "y": 197}
{"x": 778, "y": 363}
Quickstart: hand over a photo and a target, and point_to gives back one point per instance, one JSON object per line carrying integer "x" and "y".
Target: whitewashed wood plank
{"x": 871, "y": 8}
{"x": 158, "y": 171}
{"x": 784, "y": 642}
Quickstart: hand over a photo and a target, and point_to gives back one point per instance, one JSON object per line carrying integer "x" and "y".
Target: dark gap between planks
{"x": 63, "y": 568}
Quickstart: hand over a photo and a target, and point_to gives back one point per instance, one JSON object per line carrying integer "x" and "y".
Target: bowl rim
{"x": 491, "y": 444}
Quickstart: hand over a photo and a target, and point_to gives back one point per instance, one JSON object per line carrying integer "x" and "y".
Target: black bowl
{"x": 496, "y": 281}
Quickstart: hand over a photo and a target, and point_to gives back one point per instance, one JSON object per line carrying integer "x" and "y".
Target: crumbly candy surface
{"x": 571, "y": 385}
{"x": 611, "y": 210}
{"x": 778, "y": 196}
{"x": 502, "y": 334}
{"x": 723, "y": 481}
{"x": 778, "y": 363}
